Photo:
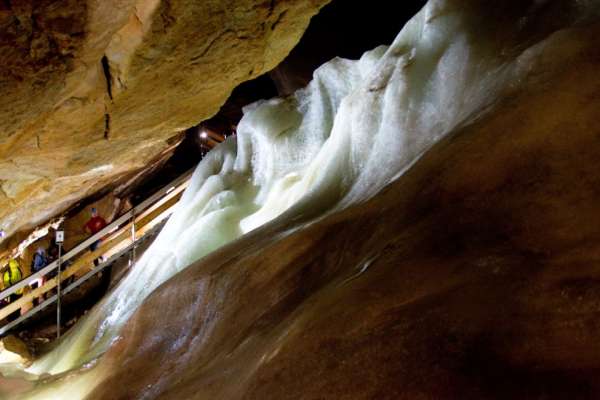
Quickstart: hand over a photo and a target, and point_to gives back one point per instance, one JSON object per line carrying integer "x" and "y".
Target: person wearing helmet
{"x": 95, "y": 224}
{"x": 12, "y": 275}
{"x": 39, "y": 261}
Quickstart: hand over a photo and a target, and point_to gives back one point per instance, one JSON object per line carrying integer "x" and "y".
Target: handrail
{"x": 114, "y": 243}
{"x": 69, "y": 288}
{"x": 177, "y": 184}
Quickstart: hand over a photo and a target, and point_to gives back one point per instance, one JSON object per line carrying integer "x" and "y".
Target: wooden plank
{"x": 68, "y": 289}
{"x": 214, "y": 135}
{"x": 86, "y": 260}
{"x": 81, "y": 262}
{"x": 210, "y": 142}
{"x": 182, "y": 180}
{"x": 176, "y": 192}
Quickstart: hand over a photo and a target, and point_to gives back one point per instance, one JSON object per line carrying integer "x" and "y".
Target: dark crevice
{"x": 106, "y": 69}
{"x": 278, "y": 20}
{"x": 135, "y": 13}
{"x": 106, "y": 125}
{"x": 271, "y": 7}
{"x": 210, "y": 45}
{"x": 34, "y": 28}
{"x": 167, "y": 15}
{"x": 271, "y": 10}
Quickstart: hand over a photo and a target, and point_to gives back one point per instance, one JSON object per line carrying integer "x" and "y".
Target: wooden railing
{"x": 117, "y": 240}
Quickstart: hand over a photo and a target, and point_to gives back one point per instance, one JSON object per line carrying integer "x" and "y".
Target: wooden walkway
{"x": 118, "y": 239}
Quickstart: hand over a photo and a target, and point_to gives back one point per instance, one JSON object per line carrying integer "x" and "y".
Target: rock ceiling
{"x": 92, "y": 91}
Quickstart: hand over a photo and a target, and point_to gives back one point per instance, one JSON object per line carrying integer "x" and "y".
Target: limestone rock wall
{"x": 93, "y": 90}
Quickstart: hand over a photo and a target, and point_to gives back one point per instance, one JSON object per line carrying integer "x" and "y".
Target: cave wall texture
{"x": 475, "y": 275}
{"x": 93, "y": 90}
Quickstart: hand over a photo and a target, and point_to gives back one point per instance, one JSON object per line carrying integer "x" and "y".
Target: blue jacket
{"x": 39, "y": 261}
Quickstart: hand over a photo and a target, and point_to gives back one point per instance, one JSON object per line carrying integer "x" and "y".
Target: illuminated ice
{"x": 357, "y": 127}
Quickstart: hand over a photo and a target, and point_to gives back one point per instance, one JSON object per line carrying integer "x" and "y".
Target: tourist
{"x": 93, "y": 226}
{"x": 12, "y": 275}
{"x": 39, "y": 261}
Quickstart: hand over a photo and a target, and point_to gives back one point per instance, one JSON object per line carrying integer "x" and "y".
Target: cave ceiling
{"x": 94, "y": 91}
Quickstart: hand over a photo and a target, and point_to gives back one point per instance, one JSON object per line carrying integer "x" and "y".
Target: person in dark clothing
{"x": 95, "y": 224}
{"x": 39, "y": 261}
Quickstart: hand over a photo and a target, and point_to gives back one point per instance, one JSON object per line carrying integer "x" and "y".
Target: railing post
{"x": 58, "y": 291}
{"x": 132, "y": 259}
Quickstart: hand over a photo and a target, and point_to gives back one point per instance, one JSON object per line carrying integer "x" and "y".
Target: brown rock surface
{"x": 93, "y": 90}
{"x": 17, "y": 347}
{"x": 474, "y": 276}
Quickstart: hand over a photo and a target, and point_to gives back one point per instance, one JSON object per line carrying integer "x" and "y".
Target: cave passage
{"x": 280, "y": 216}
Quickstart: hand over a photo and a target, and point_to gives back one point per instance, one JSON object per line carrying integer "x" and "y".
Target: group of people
{"x": 13, "y": 272}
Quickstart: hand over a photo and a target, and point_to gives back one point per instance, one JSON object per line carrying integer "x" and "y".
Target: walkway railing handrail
{"x": 6, "y": 328}
{"x": 140, "y": 208}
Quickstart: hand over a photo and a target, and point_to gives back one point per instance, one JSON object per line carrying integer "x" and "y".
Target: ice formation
{"x": 357, "y": 127}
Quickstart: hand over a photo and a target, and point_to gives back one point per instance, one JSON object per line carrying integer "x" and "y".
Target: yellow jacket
{"x": 13, "y": 275}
